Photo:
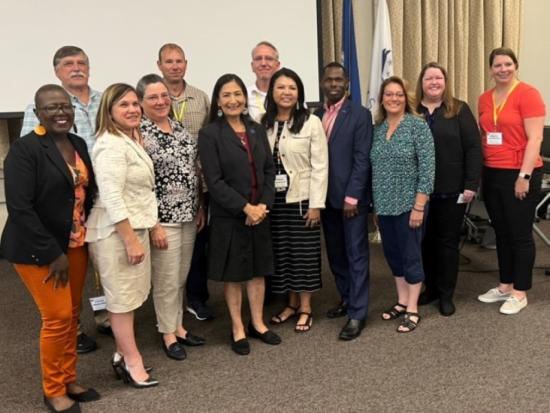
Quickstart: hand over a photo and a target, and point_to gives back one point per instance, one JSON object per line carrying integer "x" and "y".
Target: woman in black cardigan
{"x": 457, "y": 173}
{"x": 239, "y": 172}
{"x": 50, "y": 189}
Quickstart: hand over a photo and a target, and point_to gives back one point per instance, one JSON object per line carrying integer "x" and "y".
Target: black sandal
{"x": 306, "y": 326}
{"x": 394, "y": 312}
{"x": 409, "y": 324}
{"x": 276, "y": 319}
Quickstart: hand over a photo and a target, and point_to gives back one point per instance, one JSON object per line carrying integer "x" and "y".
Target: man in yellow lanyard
{"x": 190, "y": 107}
{"x": 265, "y": 62}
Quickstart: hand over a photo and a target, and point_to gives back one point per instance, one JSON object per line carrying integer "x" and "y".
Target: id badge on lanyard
{"x": 495, "y": 137}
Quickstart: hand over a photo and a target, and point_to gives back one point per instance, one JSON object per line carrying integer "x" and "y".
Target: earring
{"x": 40, "y": 130}
{"x": 245, "y": 111}
{"x": 297, "y": 105}
{"x": 220, "y": 113}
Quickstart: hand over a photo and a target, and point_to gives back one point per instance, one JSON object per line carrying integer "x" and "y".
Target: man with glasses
{"x": 265, "y": 62}
{"x": 190, "y": 107}
{"x": 72, "y": 68}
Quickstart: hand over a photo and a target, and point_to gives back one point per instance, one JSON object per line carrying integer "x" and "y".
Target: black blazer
{"x": 40, "y": 199}
{"x": 226, "y": 168}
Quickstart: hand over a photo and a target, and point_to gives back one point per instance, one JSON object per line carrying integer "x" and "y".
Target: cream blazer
{"x": 126, "y": 186}
{"x": 304, "y": 156}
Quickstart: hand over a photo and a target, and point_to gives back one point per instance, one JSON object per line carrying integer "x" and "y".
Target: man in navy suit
{"x": 348, "y": 127}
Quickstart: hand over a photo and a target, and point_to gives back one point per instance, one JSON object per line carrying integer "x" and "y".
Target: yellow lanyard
{"x": 498, "y": 109}
{"x": 180, "y": 114}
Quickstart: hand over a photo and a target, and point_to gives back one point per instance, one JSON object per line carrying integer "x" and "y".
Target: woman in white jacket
{"x": 119, "y": 223}
{"x": 300, "y": 155}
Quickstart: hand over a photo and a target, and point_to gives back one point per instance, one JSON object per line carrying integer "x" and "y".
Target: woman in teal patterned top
{"x": 403, "y": 169}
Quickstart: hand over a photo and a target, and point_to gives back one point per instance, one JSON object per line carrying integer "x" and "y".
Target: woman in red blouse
{"x": 511, "y": 119}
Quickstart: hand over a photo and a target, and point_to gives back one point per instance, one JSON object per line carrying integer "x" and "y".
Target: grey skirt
{"x": 237, "y": 252}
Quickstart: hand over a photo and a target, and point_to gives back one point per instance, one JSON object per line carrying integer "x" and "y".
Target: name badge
{"x": 281, "y": 182}
{"x": 98, "y": 303}
{"x": 494, "y": 138}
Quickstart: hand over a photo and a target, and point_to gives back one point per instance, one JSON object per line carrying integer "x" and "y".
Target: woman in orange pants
{"x": 50, "y": 188}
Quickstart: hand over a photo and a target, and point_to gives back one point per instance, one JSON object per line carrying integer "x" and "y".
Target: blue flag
{"x": 349, "y": 52}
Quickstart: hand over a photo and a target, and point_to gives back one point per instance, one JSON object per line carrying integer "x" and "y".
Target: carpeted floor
{"x": 475, "y": 361}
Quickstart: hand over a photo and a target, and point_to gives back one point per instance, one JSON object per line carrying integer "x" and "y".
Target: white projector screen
{"x": 122, "y": 38}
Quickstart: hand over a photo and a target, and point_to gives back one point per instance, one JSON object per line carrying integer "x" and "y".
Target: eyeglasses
{"x": 390, "y": 95}
{"x": 268, "y": 59}
{"x": 156, "y": 98}
{"x": 53, "y": 109}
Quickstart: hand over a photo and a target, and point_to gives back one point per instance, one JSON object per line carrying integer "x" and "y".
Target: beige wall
{"x": 534, "y": 59}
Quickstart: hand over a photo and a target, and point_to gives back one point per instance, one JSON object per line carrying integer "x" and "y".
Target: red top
{"x": 244, "y": 139}
{"x": 524, "y": 102}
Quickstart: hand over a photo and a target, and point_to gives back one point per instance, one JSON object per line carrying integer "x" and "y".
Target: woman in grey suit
{"x": 239, "y": 173}
{"x": 118, "y": 226}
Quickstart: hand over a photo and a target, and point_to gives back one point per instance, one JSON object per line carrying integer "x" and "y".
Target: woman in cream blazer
{"x": 300, "y": 154}
{"x": 119, "y": 222}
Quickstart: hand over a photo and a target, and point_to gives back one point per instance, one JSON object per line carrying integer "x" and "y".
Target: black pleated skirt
{"x": 237, "y": 252}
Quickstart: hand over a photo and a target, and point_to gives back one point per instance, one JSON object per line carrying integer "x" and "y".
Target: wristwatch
{"x": 524, "y": 176}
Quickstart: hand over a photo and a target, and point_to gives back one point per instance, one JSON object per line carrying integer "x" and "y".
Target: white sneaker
{"x": 513, "y": 305}
{"x": 492, "y": 296}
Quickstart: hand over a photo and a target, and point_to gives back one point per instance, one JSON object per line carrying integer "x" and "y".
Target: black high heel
{"x": 128, "y": 379}
{"x": 116, "y": 361}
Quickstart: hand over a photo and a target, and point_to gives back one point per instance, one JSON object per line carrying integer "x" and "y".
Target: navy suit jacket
{"x": 349, "y": 147}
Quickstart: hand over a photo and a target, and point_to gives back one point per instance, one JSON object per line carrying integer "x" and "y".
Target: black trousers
{"x": 197, "y": 281}
{"x": 440, "y": 253}
{"x": 512, "y": 220}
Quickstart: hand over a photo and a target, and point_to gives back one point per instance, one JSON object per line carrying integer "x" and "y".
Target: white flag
{"x": 382, "y": 57}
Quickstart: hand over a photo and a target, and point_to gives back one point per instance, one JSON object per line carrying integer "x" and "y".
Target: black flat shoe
{"x": 352, "y": 329}
{"x": 446, "y": 307}
{"x": 174, "y": 351}
{"x": 90, "y": 395}
{"x": 191, "y": 340}
{"x": 128, "y": 379}
{"x": 269, "y": 337}
{"x": 241, "y": 347}
{"x": 340, "y": 310}
{"x": 75, "y": 408}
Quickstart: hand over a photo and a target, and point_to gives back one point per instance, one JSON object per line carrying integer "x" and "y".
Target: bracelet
{"x": 418, "y": 210}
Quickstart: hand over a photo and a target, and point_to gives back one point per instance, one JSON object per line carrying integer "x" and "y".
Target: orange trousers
{"x": 59, "y": 309}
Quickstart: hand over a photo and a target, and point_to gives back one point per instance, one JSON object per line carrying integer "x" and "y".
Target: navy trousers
{"x": 348, "y": 254}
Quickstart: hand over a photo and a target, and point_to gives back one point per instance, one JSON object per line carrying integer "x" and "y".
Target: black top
{"x": 227, "y": 169}
{"x": 40, "y": 199}
{"x": 457, "y": 142}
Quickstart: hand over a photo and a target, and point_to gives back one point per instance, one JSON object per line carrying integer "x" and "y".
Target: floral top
{"x": 79, "y": 173}
{"x": 174, "y": 157}
{"x": 401, "y": 166}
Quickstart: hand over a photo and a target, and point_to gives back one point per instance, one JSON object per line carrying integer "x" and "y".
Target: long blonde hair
{"x": 104, "y": 121}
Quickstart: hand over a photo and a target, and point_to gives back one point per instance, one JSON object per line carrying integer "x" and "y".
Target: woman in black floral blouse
{"x": 174, "y": 153}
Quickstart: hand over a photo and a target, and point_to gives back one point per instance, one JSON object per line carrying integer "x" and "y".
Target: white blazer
{"x": 126, "y": 186}
{"x": 304, "y": 156}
